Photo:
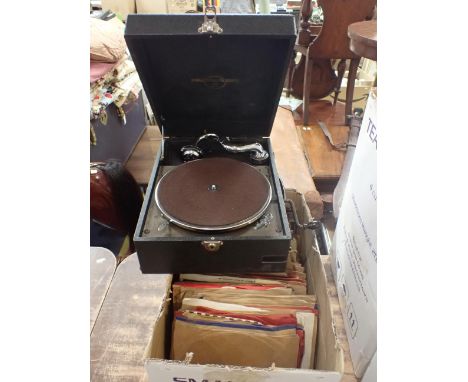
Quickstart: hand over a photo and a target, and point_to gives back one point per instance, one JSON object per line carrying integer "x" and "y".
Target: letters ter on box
{"x": 214, "y": 201}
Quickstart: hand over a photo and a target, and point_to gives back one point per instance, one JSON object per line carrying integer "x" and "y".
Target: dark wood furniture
{"x": 331, "y": 42}
{"x": 323, "y": 76}
{"x": 363, "y": 39}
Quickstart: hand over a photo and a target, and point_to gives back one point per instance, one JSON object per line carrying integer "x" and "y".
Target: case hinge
{"x": 209, "y": 23}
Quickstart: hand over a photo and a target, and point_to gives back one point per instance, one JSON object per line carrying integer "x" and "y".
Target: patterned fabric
{"x": 99, "y": 69}
{"x": 119, "y": 86}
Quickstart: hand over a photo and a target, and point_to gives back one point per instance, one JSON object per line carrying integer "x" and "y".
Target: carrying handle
{"x": 209, "y": 23}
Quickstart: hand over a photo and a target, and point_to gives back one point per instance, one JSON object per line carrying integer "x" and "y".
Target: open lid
{"x": 227, "y": 83}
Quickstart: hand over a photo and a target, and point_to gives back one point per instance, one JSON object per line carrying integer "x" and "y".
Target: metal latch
{"x": 209, "y": 23}
{"x": 212, "y": 245}
{"x": 314, "y": 224}
{"x": 323, "y": 239}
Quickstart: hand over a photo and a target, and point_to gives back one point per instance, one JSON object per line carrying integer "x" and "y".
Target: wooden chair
{"x": 331, "y": 42}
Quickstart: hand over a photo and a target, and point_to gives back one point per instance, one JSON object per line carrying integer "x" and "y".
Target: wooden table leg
{"x": 353, "y": 66}
{"x": 341, "y": 69}
{"x": 306, "y": 97}
{"x": 292, "y": 64}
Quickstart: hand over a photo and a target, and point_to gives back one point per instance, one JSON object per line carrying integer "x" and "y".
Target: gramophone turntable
{"x": 214, "y": 202}
{"x": 214, "y": 194}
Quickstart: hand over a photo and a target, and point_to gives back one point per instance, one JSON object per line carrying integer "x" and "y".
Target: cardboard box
{"x": 332, "y": 364}
{"x": 181, "y": 6}
{"x": 151, "y": 6}
{"x": 371, "y": 372}
{"x": 120, "y": 7}
{"x": 354, "y": 248}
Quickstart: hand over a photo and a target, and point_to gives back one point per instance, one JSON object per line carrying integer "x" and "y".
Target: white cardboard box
{"x": 151, "y": 6}
{"x": 331, "y": 364}
{"x": 371, "y": 372}
{"x": 354, "y": 249}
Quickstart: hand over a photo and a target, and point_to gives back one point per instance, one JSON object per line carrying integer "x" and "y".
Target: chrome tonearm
{"x": 257, "y": 152}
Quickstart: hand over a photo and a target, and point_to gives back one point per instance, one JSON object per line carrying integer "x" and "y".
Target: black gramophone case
{"x": 226, "y": 83}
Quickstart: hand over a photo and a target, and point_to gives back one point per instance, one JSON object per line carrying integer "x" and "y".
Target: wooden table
{"x": 142, "y": 159}
{"x": 102, "y": 267}
{"x": 363, "y": 39}
{"x": 291, "y": 160}
{"x": 326, "y": 162}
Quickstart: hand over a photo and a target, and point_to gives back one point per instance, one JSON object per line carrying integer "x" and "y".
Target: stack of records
{"x": 246, "y": 320}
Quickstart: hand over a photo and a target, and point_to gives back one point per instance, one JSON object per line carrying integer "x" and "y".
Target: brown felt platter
{"x": 213, "y": 194}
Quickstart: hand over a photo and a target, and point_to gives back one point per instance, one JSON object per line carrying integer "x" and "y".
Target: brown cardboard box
{"x": 332, "y": 360}
{"x": 120, "y": 7}
{"x": 151, "y": 6}
{"x": 181, "y": 6}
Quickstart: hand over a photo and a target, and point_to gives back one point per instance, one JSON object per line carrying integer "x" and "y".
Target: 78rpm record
{"x": 213, "y": 194}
